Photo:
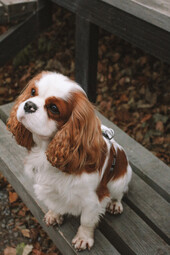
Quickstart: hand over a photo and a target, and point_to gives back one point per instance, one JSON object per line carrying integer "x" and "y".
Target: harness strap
{"x": 109, "y": 134}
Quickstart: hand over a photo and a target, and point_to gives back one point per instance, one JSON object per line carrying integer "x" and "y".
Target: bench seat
{"x": 141, "y": 229}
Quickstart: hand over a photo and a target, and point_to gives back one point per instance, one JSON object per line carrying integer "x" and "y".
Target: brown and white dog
{"x": 70, "y": 154}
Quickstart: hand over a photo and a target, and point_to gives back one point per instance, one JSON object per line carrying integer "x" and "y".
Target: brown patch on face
{"x": 22, "y": 135}
{"x": 63, "y": 113}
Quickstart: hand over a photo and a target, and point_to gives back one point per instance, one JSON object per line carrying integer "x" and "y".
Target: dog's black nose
{"x": 30, "y": 107}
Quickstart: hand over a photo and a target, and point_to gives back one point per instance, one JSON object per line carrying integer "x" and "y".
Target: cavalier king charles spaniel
{"x": 76, "y": 166}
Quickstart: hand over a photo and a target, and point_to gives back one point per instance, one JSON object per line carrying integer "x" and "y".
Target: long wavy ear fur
{"x": 78, "y": 146}
{"x": 22, "y": 135}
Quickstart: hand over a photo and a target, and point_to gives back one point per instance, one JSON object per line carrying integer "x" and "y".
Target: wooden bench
{"x": 143, "y": 228}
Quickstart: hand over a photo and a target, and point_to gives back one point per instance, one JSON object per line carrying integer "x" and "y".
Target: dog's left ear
{"x": 78, "y": 145}
{"x": 22, "y": 135}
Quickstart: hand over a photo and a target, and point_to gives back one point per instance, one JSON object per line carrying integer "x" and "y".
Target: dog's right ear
{"x": 22, "y": 135}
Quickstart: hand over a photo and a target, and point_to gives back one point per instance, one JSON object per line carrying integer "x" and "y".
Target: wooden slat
{"x": 12, "y": 2}
{"x": 156, "y": 12}
{"x": 131, "y": 230}
{"x": 150, "y": 206}
{"x": 17, "y": 10}
{"x": 11, "y": 166}
{"x": 5, "y": 110}
{"x": 24, "y": 33}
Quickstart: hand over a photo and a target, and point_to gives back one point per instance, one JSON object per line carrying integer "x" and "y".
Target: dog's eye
{"x": 33, "y": 92}
{"x": 53, "y": 108}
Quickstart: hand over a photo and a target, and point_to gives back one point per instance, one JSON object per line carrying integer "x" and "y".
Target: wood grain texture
{"x": 11, "y": 166}
{"x": 150, "y": 206}
{"x": 131, "y": 230}
{"x": 156, "y": 12}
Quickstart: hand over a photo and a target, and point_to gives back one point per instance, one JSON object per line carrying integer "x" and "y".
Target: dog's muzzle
{"x": 30, "y": 107}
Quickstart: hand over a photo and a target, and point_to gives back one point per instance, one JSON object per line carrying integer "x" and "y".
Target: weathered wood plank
{"x": 130, "y": 229}
{"x": 24, "y": 33}
{"x": 5, "y": 110}
{"x": 16, "y": 10}
{"x": 86, "y": 55}
{"x": 150, "y": 206}
{"x": 156, "y": 12}
{"x": 11, "y": 165}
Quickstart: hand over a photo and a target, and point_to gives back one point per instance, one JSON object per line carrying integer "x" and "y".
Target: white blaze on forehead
{"x": 57, "y": 85}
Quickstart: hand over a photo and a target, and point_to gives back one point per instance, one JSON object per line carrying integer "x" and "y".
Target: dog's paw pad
{"x": 51, "y": 218}
{"x": 114, "y": 207}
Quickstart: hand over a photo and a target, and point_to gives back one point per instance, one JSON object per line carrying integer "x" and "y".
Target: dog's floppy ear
{"x": 22, "y": 135}
{"x": 78, "y": 145}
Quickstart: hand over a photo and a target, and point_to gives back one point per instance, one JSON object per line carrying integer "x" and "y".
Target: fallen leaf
{"x": 124, "y": 98}
{"x": 27, "y": 249}
{"x": 160, "y": 126}
{"x": 159, "y": 117}
{"x": 139, "y": 136}
{"x": 20, "y": 248}
{"x": 26, "y": 232}
{"x": 10, "y": 251}
{"x": 158, "y": 140}
{"x": 146, "y": 117}
{"x": 37, "y": 252}
{"x": 12, "y": 197}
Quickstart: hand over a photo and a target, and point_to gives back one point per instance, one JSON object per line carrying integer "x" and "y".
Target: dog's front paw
{"x": 114, "y": 207}
{"x": 52, "y": 218}
{"x": 83, "y": 239}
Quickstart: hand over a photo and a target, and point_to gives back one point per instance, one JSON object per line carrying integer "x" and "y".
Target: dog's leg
{"x": 52, "y": 218}
{"x": 117, "y": 189}
{"x": 91, "y": 213}
{"x": 114, "y": 206}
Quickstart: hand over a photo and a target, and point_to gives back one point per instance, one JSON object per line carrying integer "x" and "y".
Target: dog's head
{"x": 55, "y": 108}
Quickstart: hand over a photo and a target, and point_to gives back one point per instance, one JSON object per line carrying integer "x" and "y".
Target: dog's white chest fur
{"x": 69, "y": 193}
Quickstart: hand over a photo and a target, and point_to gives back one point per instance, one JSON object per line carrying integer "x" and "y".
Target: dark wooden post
{"x": 86, "y": 56}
